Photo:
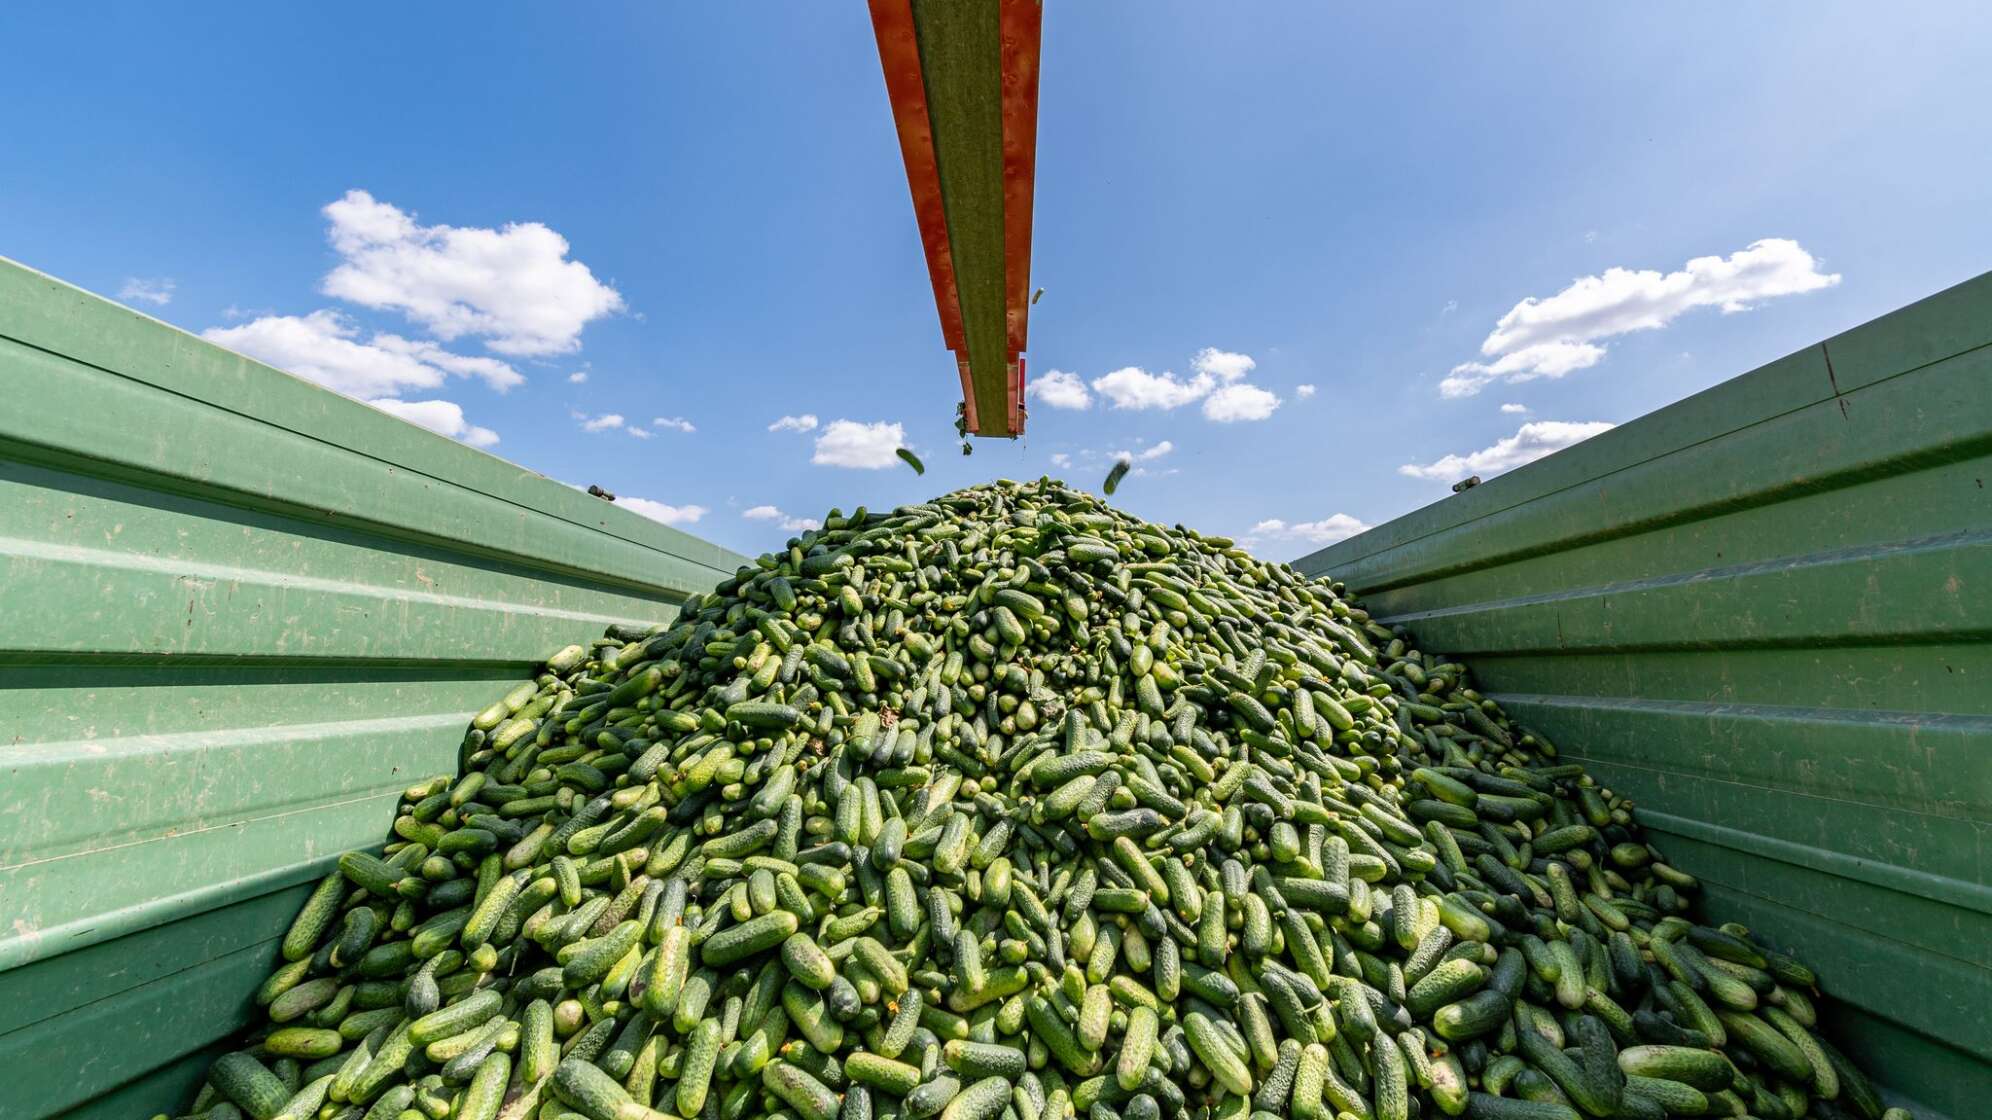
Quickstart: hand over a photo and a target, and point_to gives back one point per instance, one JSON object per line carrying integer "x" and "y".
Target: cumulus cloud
{"x": 1059, "y": 389}
{"x": 787, "y": 523}
{"x": 1530, "y": 442}
{"x": 513, "y": 287}
{"x": 1136, "y": 388}
{"x": 326, "y": 347}
{"x": 578, "y": 377}
{"x": 658, "y": 511}
{"x": 1061, "y": 460}
{"x": 601, "y": 423}
{"x": 804, "y": 423}
{"x": 849, "y": 443}
{"x": 157, "y": 291}
{"x": 1303, "y": 391}
{"x": 640, "y": 433}
{"x": 1515, "y": 409}
{"x": 442, "y": 417}
{"x": 1558, "y": 335}
{"x": 673, "y": 423}
{"x": 1328, "y": 530}
{"x": 1218, "y": 381}
{"x": 1224, "y": 365}
{"x": 1239, "y": 402}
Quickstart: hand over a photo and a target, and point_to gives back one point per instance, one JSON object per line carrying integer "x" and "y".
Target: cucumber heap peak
{"x": 1011, "y": 806}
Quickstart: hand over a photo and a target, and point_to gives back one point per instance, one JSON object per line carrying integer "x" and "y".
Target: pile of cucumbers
{"x": 1009, "y": 806}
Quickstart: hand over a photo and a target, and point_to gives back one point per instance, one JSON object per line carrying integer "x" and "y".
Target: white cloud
{"x": 1061, "y": 460}
{"x": 658, "y": 511}
{"x": 1303, "y": 391}
{"x": 1059, "y": 389}
{"x": 1136, "y": 388}
{"x": 513, "y": 287}
{"x": 637, "y": 432}
{"x": 494, "y": 372}
{"x": 1554, "y": 336}
{"x": 442, "y": 417}
{"x": 1218, "y": 382}
{"x": 1224, "y": 365}
{"x": 1328, "y": 530}
{"x": 1451, "y": 306}
{"x": 158, "y": 292}
{"x": 673, "y": 423}
{"x": 848, "y": 443}
{"x": 1146, "y": 455}
{"x": 1515, "y": 409}
{"x": 325, "y": 347}
{"x": 804, "y": 423}
{"x": 578, "y": 377}
{"x": 1239, "y": 402}
{"x": 790, "y": 524}
{"x": 1530, "y": 442}
{"x": 602, "y": 423}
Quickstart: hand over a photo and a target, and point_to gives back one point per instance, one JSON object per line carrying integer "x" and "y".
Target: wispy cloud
{"x": 1303, "y": 391}
{"x": 578, "y": 377}
{"x": 668, "y": 514}
{"x": 1515, "y": 409}
{"x": 327, "y": 347}
{"x": 1560, "y": 334}
{"x": 673, "y": 423}
{"x": 1530, "y": 442}
{"x": 1326, "y": 531}
{"x": 804, "y": 423}
{"x": 442, "y": 417}
{"x": 786, "y": 522}
{"x": 157, "y": 291}
{"x": 605, "y": 422}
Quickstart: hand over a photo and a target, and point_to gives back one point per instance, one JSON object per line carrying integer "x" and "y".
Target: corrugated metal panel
{"x": 238, "y": 613}
{"x": 1764, "y": 612}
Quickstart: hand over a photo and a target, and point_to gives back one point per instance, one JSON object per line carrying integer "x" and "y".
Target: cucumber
{"x": 701, "y": 1052}
{"x": 472, "y": 1011}
{"x": 248, "y": 1084}
{"x": 885, "y": 1074}
{"x": 316, "y": 917}
{"x": 794, "y": 1086}
{"x": 1770, "y": 1047}
{"x": 977, "y": 1060}
{"x": 983, "y": 1100}
{"x": 1701, "y": 1069}
{"x": 1675, "y": 1096}
{"x": 1482, "y": 1106}
{"x": 755, "y": 935}
{"x": 304, "y": 1042}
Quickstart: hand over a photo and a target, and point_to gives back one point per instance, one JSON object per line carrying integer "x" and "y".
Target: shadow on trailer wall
{"x": 238, "y": 615}
{"x": 1764, "y": 613}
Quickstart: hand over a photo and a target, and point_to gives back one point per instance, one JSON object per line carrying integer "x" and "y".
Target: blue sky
{"x": 703, "y": 210}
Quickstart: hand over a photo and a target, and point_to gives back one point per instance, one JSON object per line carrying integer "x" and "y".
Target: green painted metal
{"x": 238, "y": 614}
{"x": 1764, "y": 612}
{"x": 962, "y": 64}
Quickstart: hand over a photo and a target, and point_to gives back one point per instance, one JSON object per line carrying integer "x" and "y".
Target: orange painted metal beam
{"x": 1020, "y": 25}
{"x": 899, "y": 56}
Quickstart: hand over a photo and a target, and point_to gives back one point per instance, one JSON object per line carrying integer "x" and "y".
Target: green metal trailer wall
{"x": 1764, "y": 613}
{"x": 238, "y": 613}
